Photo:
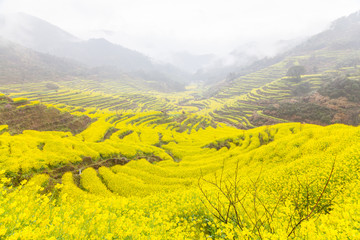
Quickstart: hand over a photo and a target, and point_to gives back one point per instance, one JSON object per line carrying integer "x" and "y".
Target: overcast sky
{"x": 156, "y": 27}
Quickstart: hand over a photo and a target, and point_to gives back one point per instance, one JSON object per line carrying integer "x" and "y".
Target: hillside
{"x": 342, "y": 34}
{"x": 249, "y": 102}
{"x": 299, "y": 174}
{"x": 264, "y": 93}
{"x": 245, "y": 99}
{"x": 334, "y": 102}
{"x": 21, "y": 65}
{"x": 35, "y": 116}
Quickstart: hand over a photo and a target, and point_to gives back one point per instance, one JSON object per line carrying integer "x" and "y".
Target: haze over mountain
{"x": 20, "y": 65}
{"x": 34, "y": 33}
{"x": 111, "y": 59}
{"x": 344, "y": 33}
{"x": 44, "y": 37}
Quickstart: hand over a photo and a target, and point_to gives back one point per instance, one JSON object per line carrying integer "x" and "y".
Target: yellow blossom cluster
{"x": 288, "y": 180}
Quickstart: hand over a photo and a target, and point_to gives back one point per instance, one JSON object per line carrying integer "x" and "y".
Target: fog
{"x": 168, "y": 30}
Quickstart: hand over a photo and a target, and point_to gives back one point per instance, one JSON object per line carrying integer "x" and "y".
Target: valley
{"x": 115, "y": 146}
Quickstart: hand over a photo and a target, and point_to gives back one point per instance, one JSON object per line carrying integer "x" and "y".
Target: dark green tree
{"x": 295, "y": 72}
{"x": 52, "y": 86}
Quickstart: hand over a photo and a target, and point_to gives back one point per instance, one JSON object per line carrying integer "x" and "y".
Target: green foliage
{"x": 301, "y": 89}
{"x": 302, "y": 112}
{"x": 52, "y": 86}
{"x": 295, "y": 72}
{"x": 342, "y": 87}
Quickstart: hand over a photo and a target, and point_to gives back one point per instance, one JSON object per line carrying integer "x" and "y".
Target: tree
{"x": 230, "y": 199}
{"x": 52, "y": 86}
{"x": 296, "y": 72}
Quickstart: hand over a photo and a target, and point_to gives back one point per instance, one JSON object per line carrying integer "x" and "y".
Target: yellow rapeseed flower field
{"x": 290, "y": 180}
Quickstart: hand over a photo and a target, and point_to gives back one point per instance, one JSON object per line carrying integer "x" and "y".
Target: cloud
{"x": 200, "y": 26}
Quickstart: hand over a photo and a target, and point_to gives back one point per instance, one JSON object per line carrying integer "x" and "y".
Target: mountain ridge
{"x": 29, "y": 31}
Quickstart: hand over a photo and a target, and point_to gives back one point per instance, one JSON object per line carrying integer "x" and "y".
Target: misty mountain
{"x": 19, "y": 65}
{"x": 191, "y": 62}
{"x": 331, "y": 49}
{"x": 344, "y": 33}
{"x": 44, "y": 37}
{"x": 47, "y": 38}
{"x": 34, "y": 33}
{"x": 100, "y": 52}
{"x": 244, "y": 59}
{"x": 210, "y": 68}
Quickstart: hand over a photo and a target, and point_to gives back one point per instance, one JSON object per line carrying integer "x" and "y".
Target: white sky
{"x": 156, "y": 27}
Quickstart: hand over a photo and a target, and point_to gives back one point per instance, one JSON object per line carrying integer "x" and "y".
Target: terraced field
{"x": 245, "y": 84}
{"x": 36, "y": 116}
{"x": 238, "y": 103}
{"x": 249, "y": 94}
{"x": 147, "y": 165}
{"x": 155, "y": 174}
{"x": 77, "y": 98}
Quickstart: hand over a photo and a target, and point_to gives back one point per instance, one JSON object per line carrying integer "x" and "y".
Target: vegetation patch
{"x": 345, "y": 87}
{"x": 21, "y": 115}
{"x": 302, "y": 112}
